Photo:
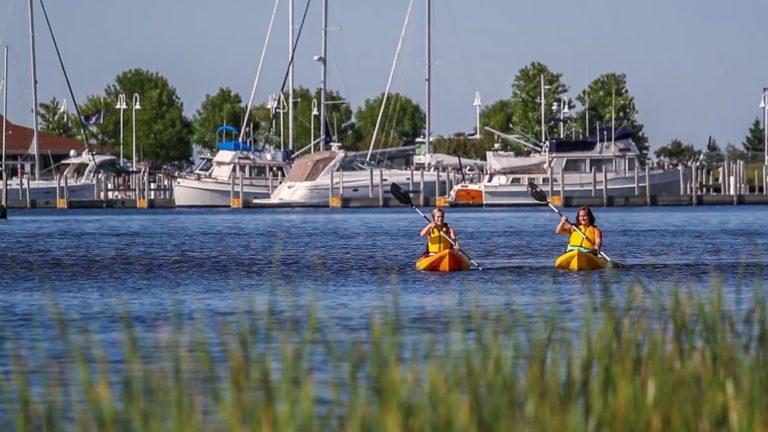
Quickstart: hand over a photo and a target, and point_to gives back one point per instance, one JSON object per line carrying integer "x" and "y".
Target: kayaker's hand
{"x": 564, "y": 220}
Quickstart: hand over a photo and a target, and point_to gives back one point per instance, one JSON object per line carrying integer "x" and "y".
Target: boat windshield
{"x": 356, "y": 164}
{"x": 204, "y": 166}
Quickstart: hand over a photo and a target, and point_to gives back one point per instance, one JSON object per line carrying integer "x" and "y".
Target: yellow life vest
{"x": 576, "y": 241}
{"x": 437, "y": 242}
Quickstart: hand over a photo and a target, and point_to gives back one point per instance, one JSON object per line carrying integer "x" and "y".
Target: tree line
{"x": 165, "y": 136}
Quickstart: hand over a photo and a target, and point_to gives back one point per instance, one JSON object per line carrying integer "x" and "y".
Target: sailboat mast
{"x": 34, "y": 91}
{"x": 5, "y": 99}
{"x": 290, "y": 75}
{"x": 428, "y": 79}
{"x": 323, "y": 62}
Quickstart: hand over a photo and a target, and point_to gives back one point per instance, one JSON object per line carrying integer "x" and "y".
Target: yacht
{"x": 79, "y": 172}
{"x": 211, "y": 182}
{"x": 311, "y": 177}
{"x": 578, "y": 162}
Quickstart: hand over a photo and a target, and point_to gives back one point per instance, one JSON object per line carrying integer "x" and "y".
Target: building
{"x": 53, "y": 148}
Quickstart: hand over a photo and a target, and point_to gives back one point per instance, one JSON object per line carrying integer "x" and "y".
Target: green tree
{"x": 402, "y": 122}
{"x": 223, "y": 108}
{"x": 525, "y": 104}
{"x": 713, "y": 156}
{"x": 607, "y": 98}
{"x": 754, "y": 142}
{"x": 56, "y": 120}
{"x": 676, "y": 152}
{"x": 162, "y": 132}
{"x": 464, "y": 146}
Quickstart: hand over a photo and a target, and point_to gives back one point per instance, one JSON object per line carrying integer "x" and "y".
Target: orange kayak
{"x": 445, "y": 261}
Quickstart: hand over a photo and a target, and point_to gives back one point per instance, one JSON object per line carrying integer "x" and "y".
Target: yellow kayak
{"x": 578, "y": 260}
{"x": 445, "y": 261}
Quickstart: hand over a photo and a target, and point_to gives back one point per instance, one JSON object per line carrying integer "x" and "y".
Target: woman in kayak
{"x": 436, "y": 241}
{"x": 586, "y": 223}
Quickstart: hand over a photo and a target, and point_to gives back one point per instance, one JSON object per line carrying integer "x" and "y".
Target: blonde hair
{"x": 438, "y": 210}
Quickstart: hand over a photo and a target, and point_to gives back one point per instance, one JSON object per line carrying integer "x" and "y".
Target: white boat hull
{"x": 356, "y": 185}
{"x": 213, "y": 193}
{"x": 662, "y": 183}
{"x": 46, "y": 190}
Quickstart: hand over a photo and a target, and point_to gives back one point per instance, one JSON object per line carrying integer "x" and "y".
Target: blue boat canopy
{"x": 227, "y": 128}
{"x": 236, "y": 146}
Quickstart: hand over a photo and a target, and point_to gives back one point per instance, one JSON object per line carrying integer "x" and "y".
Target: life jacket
{"x": 437, "y": 242}
{"x": 576, "y": 241}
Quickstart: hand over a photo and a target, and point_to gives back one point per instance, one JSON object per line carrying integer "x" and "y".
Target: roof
{"x": 19, "y": 141}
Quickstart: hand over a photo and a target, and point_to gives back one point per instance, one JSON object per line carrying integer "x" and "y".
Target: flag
{"x": 95, "y": 117}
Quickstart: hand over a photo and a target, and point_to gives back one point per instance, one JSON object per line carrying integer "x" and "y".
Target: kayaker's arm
{"x": 427, "y": 229}
{"x": 598, "y": 238}
{"x": 452, "y": 235}
{"x": 564, "y": 227}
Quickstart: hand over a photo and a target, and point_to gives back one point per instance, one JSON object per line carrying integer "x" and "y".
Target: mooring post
{"x": 370, "y": 182}
{"x": 330, "y": 190}
{"x": 551, "y": 183}
{"x": 66, "y": 188}
{"x": 447, "y": 182}
{"x": 562, "y": 186}
{"x": 341, "y": 184}
{"x": 637, "y": 179}
{"x": 694, "y": 179}
{"x": 29, "y": 201}
{"x": 647, "y": 186}
{"x": 410, "y": 180}
{"x": 381, "y": 187}
{"x": 231, "y": 187}
{"x": 605, "y": 187}
{"x": 421, "y": 188}
{"x": 765, "y": 179}
{"x": 240, "y": 175}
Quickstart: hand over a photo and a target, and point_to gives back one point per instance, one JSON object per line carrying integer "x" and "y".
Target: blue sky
{"x": 696, "y": 68}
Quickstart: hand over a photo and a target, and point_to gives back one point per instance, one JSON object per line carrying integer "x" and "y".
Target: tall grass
{"x": 688, "y": 363}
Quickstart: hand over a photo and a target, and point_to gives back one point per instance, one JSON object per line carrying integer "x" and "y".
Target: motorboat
{"x": 214, "y": 179}
{"x": 580, "y": 164}
{"x": 314, "y": 177}
{"x": 78, "y": 172}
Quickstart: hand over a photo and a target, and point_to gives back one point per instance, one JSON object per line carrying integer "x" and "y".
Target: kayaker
{"x": 586, "y": 223}
{"x": 437, "y": 242}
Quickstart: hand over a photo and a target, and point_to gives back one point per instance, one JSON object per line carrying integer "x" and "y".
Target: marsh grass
{"x": 686, "y": 363}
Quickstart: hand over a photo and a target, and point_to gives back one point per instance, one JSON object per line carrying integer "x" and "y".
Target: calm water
{"x": 213, "y": 263}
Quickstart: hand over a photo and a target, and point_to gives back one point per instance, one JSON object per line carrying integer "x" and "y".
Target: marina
{"x": 303, "y": 216}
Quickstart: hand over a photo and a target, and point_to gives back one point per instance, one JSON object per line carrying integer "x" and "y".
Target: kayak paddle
{"x": 539, "y": 195}
{"x": 405, "y": 199}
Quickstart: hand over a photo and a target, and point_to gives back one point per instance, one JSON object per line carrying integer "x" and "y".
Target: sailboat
{"x": 78, "y": 171}
{"x": 311, "y": 184}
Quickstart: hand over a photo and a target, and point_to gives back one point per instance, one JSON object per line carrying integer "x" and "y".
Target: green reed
{"x": 685, "y": 363}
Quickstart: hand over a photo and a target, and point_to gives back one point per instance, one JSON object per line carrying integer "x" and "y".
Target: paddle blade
{"x": 536, "y": 193}
{"x": 400, "y": 194}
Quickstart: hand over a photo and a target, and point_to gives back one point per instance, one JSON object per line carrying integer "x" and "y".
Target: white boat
{"x": 311, "y": 177}
{"x": 580, "y": 164}
{"x": 212, "y": 181}
{"x": 78, "y": 172}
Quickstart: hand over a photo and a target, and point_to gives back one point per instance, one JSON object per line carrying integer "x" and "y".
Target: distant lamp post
{"x": 136, "y": 106}
{"x": 315, "y": 113}
{"x": 477, "y": 104}
{"x": 561, "y": 109}
{"x": 764, "y": 106}
{"x": 122, "y": 106}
